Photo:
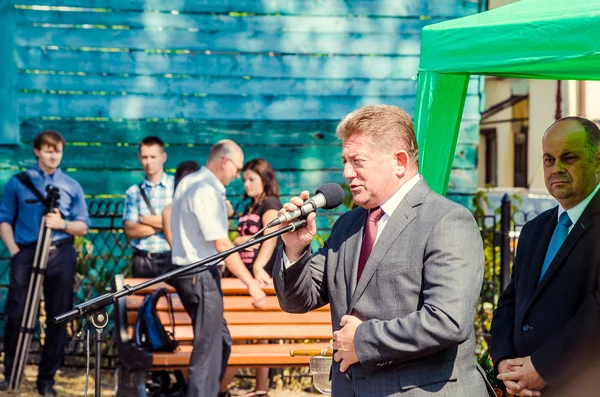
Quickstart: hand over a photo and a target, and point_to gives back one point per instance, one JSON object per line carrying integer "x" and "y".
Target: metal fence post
{"x": 505, "y": 214}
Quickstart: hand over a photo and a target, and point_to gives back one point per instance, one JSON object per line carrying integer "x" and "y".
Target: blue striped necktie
{"x": 558, "y": 237}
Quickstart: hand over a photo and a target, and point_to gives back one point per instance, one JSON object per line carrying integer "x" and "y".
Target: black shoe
{"x": 46, "y": 390}
{"x": 3, "y": 385}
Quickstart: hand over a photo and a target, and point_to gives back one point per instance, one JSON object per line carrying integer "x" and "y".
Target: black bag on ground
{"x": 149, "y": 330}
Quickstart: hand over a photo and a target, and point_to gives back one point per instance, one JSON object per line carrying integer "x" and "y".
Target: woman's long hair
{"x": 184, "y": 168}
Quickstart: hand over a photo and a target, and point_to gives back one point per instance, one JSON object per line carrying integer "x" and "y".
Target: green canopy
{"x": 541, "y": 39}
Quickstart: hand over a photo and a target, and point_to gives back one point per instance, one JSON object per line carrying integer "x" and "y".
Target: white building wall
{"x": 592, "y": 100}
{"x": 498, "y": 90}
{"x": 542, "y": 110}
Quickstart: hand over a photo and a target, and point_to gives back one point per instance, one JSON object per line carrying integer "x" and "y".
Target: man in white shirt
{"x": 402, "y": 272}
{"x": 200, "y": 229}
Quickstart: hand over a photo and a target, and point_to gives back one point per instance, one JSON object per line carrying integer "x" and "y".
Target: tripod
{"x": 95, "y": 309}
{"x": 34, "y": 292}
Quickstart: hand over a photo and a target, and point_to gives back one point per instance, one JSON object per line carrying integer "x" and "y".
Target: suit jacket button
{"x": 526, "y": 327}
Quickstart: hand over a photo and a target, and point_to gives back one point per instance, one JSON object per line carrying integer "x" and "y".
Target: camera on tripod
{"x": 52, "y": 198}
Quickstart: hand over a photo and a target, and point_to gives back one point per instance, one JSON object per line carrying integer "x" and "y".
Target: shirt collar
{"x": 214, "y": 180}
{"x": 43, "y": 175}
{"x": 575, "y": 212}
{"x": 163, "y": 181}
{"x": 390, "y": 205}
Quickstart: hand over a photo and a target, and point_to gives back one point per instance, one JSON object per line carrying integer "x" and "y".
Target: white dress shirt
{"x": 575, "y": 212}
{"x": 390, "y": 205}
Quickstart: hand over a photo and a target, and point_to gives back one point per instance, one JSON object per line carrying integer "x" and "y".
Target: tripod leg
{"x": 32, "y": 304}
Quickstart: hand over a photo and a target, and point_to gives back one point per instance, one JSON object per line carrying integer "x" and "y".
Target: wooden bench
{"x": 246, "y": 324}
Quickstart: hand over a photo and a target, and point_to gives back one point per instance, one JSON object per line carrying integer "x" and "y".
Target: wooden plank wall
{"x": 9, "y": 123}
{"x": 275, "y": 76}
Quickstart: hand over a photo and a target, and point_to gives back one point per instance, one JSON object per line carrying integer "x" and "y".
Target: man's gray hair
{"x": 223, "y": 148}
{"x": 388, "y": 127}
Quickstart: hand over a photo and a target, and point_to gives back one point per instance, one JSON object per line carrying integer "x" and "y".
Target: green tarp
{"x": 544, "y": 39}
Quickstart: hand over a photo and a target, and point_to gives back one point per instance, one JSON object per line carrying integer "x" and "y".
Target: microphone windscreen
{"x": 334, "y": 195}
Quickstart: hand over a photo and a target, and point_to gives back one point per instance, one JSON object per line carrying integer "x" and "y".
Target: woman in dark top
{"x": 261, "y": 187}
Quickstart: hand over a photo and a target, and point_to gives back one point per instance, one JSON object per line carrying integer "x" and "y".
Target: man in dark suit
{"x": 546, "y": 329}
{"x": 402, "y": 272}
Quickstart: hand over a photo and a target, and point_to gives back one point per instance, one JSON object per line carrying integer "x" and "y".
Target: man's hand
{"x": 54, "y": 221}
{"x": 14, "y": 251}
{"x": 295, "y": 243}
{"x": 505, "y": 367}
{"x": 343, "y": 342}
{"x": 523, "y": 379}
{"x": 257, "y": 294}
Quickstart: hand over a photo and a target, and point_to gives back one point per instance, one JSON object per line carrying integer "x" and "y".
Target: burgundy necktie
{"x": 368, "y": 239}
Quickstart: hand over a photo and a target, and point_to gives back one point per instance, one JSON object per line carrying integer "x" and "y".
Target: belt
{"x": 151, "y": 255}
{"x": 54, "y": 245}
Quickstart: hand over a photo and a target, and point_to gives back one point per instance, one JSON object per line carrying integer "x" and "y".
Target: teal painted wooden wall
{"x": 275, "y": 76}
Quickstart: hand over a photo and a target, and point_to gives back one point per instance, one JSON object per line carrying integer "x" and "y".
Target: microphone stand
{"x": 95, "y": 309}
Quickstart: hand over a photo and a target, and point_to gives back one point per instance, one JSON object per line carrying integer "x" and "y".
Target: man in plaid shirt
{"x": 142, "y": 213}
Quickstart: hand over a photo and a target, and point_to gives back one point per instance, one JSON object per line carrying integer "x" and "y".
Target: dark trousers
{"x": 58, "y": 298}
{"x": 148, "y": 265}
{"x": 202, "y": 298}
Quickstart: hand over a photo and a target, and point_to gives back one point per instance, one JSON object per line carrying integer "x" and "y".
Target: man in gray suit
{"x": 402, "y": 272}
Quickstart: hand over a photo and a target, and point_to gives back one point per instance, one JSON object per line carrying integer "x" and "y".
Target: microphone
{"x": 327, "y": 197}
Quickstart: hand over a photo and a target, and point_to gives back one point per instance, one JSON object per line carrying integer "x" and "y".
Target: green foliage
{"x": 232, "y": 228}
{"x": 320, "y": 238}
{"x": 485, "y": 362}
{"x": 94, "y": 273}
{"x": 491, "y": 279}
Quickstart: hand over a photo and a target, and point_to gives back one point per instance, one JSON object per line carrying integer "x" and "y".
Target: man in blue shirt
{"x": 20, "y": 219}
{"x": 142, "y": 216}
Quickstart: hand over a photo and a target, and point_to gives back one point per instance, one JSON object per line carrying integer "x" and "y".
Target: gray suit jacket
{"x": 417, "y": 297}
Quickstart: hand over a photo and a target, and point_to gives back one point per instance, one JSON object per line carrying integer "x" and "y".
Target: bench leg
{"x": 131, "y": 383}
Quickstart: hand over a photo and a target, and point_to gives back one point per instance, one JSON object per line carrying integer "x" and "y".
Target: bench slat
{"x": 231, "y": 303}
{"x": 249, "y": 318}
{"x": 262, "y": 317}
{"x": 181, "y": 318}
{"x": 281, "y": 331}
{"x": 230, "y": 286}
{"x": 266, "y": 331}
{"x": 135, "y": 281}
{"x": 244, "y": 356}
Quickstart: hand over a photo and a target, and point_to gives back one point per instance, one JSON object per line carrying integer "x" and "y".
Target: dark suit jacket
{"x": 555, "y": 321}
